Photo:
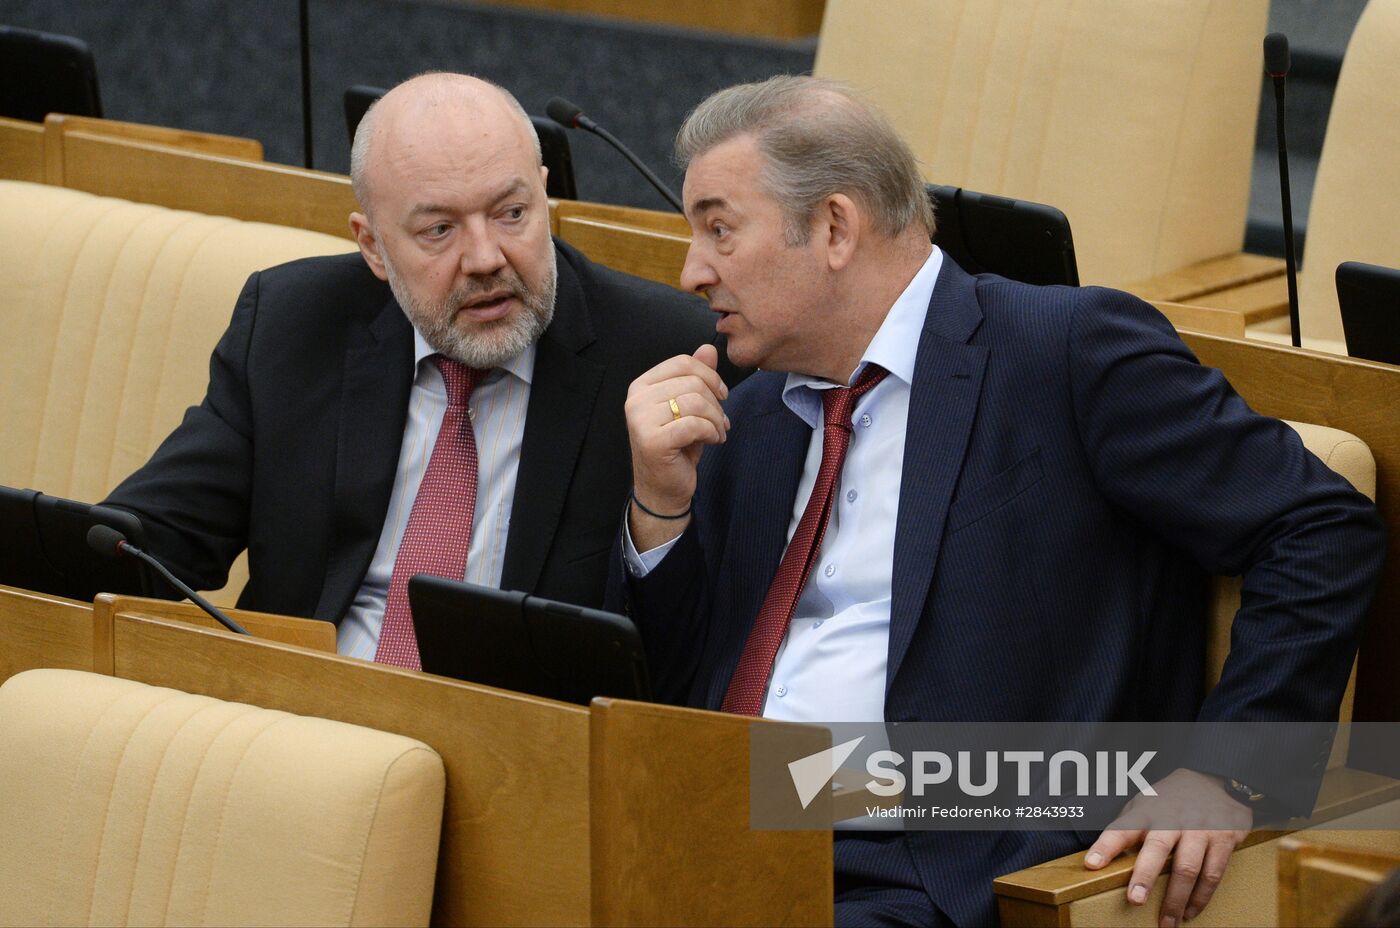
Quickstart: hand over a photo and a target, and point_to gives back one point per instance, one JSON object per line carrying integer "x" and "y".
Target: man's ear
{"x": 369, "y": 244}
{"x": 544, "y": 179}
{"x": 839, "y": 219}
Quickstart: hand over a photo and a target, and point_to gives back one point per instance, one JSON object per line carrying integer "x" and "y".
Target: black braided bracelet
{"x": 657, "y": 515}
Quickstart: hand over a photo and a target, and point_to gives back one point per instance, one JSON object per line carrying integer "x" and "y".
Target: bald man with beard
{"x": 328, "y": 390}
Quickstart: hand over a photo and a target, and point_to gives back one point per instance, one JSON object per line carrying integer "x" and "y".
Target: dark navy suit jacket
{"x": 1071, "y": 476}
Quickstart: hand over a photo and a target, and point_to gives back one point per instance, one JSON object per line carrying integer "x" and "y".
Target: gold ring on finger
{"x": 675, "y": 409}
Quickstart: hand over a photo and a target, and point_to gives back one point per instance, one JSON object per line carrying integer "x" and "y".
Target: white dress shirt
{"x": 497, "y": 409}
{"x": 831, "y": 664}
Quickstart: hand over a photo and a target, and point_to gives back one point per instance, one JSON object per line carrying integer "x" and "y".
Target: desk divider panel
{"x": 256, "y": 191}
{"x": 307, "y": 633}
{"x": 39, "y": 630}
{"x": 647, "y": 253}
{"x": 57, "y": 125}
{"x": 21, "y": 150}
{"x": 636, "y": 217}
{"x": 671, "y": 838}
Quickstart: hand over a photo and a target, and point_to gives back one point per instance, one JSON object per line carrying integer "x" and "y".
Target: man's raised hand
{"x": 673, "y": 412}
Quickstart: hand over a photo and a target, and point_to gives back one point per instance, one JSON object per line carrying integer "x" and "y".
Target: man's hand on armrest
{"x": 1198, "y": 856}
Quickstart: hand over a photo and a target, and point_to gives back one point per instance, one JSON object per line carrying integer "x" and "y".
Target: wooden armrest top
{"x": 1189, "y": 284}
{"x": 1064, "y": 879}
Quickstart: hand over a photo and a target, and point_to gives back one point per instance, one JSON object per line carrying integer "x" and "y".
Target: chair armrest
{"x": 1043, "y": 894}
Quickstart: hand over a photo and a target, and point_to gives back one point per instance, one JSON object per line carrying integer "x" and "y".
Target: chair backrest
{"x": 1135, "y": 119}
{"x": 42, "y": 73}
{"x": 1357, "y": 194}
{"x": 134, "y": 804}
{"x": 108, "y": 315}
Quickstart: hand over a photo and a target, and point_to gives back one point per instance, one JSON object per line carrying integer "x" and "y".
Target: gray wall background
{"x": 233, "y": 67}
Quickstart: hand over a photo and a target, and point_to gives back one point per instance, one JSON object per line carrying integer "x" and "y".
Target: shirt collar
{"x": 522, "y": 366}
{"x": 894, "y": 347}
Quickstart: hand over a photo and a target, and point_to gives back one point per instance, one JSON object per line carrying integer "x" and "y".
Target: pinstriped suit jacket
{"x": 1071, "y": 476}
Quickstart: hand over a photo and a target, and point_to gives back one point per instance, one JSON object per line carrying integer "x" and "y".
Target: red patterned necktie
{"x": 439, "y": 531}
{"x": 749, "y": 685}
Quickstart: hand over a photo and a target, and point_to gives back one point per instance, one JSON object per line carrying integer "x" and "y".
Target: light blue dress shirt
{"x": 831, "y": 664}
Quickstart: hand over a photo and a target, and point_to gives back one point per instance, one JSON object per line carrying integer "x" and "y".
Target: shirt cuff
{"x": 639, "y": 565}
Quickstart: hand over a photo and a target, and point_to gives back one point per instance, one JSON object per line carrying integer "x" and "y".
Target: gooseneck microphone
{"x": 109, "y": 542}
{"x": 571, "y": 117}
{"x": 1276, "y": 62}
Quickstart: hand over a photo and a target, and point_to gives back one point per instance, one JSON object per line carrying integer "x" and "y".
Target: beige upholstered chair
{"x": 1356, "y": 199}
{"x": 1136, "y": 119}
{"x": 132, "y": 804}
{"x": 108, "y": 314}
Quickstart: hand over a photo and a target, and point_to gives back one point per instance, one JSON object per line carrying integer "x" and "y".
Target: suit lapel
{"x": 563, "y": 391}
{"x": 377, "y": 378}
{"x": 942, "y": 407}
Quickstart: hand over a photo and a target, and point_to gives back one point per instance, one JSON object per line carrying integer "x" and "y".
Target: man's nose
{"x": 481, "y": 254}
{"x": 697, "y": 274}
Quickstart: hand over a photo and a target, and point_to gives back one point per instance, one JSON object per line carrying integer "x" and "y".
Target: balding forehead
{"x": 431, "y": 107}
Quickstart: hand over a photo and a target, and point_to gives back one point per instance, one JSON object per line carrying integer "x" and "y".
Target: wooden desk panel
{"x": 778, "y": 19}
{"x": 649, "y": 254}
{"x": 306, "y": 633}
{"x": 670, "y": 792}
{"x": 57, "y": 125}
{"x": 251, "y": 190}
{"x": 38, "y": 630}
{"x": 21, "y": 150}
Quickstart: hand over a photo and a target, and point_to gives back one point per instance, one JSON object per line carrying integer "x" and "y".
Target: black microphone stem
{"x": 306, "y": 85}
{"x": 636, "y": 163}
{"x": 198, "y": 600}
{"x": 1291, "y": 262}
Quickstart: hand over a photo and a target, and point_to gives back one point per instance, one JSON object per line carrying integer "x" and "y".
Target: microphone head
{"x": 563, "y": 112}
{"x": 1276, "y": 54}
{"x": 105, "y": 540}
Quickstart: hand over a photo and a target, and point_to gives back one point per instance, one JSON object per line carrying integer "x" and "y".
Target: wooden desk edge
{"x": 1064, "y": 879}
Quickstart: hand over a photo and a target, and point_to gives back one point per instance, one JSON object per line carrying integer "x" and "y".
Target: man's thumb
{"x": 708, "y": 355}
